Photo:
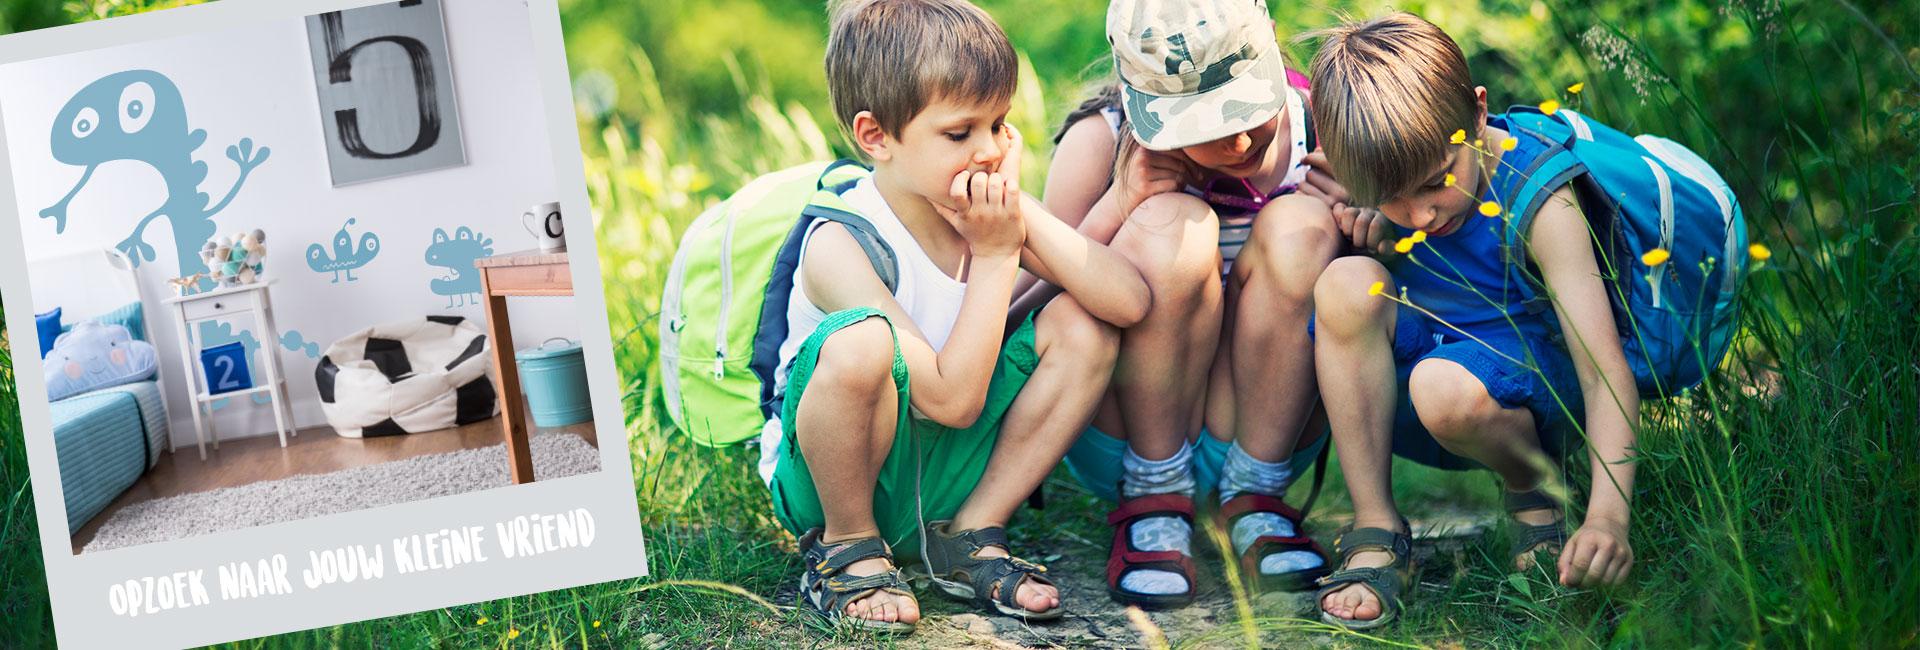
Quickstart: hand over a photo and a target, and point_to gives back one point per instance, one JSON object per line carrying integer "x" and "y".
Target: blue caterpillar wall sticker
{"x": 345, "y": 256}
{"x": 456, "y": 254}
{"x": 213, "y": 333}
{"x": 139, "y": 115}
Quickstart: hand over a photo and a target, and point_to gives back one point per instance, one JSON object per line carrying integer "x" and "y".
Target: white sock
{"x": 1170, "y": 476}
{"x": 1244, "y": 474}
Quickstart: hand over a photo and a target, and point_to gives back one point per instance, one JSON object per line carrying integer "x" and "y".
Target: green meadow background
{"x": 1778, "y": 505}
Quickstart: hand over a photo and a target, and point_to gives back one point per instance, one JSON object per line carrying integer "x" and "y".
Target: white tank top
{"x": 928, "y": 295}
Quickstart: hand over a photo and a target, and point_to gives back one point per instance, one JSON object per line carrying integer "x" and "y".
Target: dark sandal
{"x": 958, "y": 571}
{"x": 1528, "y": 538}
{"x": 826, "y": 591}
{"x": 1388, "y": 583}
{"x": 1123, "y": 558}
{"x": 1265, "y": 545}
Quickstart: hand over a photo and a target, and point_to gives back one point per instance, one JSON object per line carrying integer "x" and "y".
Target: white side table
{"x": 223, "y": 304}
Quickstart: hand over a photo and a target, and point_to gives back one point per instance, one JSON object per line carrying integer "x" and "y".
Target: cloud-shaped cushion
{"x": 94, "y": 356}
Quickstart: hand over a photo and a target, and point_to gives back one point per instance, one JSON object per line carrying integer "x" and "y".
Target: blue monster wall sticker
{"x": 456, "y": 254}
{"x": 345, "y": 256}
{"x": 139, "y": 115}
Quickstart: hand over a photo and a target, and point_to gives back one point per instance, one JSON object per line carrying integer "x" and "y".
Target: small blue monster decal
{"x": 345, "y": 256}
{"x": 139, "y": 115}
{"x": 456, "y": 254}
{"x": 297, "y": 342}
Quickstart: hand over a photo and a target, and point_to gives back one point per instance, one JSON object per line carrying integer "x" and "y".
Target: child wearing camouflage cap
{"x": 1197, "y": 167}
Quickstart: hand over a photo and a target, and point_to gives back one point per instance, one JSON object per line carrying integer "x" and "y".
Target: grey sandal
{"x": 1528, "y": 538}
{"x": 826, "y": 590}
{"x": 959, "y": 572}
{"x": 1388, "y": 583}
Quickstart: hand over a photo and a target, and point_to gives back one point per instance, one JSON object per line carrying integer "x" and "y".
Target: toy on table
{"x": 236, "y": 260}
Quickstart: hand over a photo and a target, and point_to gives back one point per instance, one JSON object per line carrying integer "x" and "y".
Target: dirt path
{"x": 1094, "y": 620}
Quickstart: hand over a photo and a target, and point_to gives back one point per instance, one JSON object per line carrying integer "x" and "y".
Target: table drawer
{"x": 220, "y": 307}
{"x": 533, "y": 280}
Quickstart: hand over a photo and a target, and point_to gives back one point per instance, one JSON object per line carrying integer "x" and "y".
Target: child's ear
{"x": 1480, "y": 106}
{"x": 869, "y": 137}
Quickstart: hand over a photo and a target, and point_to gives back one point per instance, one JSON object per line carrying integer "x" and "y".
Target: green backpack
{"x": 724, "y": 313}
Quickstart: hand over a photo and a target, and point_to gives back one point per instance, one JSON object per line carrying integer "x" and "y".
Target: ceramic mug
{"x": 543, "y": 222}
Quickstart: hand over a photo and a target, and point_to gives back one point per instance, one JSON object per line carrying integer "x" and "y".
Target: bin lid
{"x": 553, "y": 348}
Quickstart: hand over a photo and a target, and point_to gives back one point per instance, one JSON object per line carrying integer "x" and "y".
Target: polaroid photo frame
{"x": 330, "y": 272}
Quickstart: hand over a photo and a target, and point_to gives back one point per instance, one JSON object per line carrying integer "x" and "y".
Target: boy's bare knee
{"x": 1343, "y": 303}
{"x": 1065, "y": 328}
{"x": 1174, "y": 240}
{"x": 1292, "y": 242}
{"x": 1452, "y": 404}
{"x": 858, "y": 357}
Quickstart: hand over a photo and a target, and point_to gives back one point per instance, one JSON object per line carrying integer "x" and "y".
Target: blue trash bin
{"x": 554, "y": 377}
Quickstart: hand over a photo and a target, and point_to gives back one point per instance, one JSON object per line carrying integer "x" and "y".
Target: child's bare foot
{"x": 883, "y": 605}
{"x": 1357, "y": 601}
{"x": 1033, "y": 595}
{"x": 1376, "y": 568}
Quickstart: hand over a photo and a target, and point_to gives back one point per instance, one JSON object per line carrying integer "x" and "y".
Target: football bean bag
{"x": 406, "y": 377}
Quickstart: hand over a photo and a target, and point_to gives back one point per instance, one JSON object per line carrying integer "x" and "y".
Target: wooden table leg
{"x": 519, "y": 457}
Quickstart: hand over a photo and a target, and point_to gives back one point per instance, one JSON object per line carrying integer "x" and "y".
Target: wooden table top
{"x": 529, "y": 257}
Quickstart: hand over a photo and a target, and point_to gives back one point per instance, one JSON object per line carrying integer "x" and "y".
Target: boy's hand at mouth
{"x": 986, "y": 212}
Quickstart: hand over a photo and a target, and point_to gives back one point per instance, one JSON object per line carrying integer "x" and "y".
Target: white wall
{"x": 258, "y": 83}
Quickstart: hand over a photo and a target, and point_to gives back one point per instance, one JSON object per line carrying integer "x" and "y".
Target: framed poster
{"x": 386, "y": 90}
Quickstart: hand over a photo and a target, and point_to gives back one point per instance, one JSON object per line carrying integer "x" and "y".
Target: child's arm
{"x": 1104, "y": 282}
{"x": 1562, "y": 247}
{"x": 1077, "y": 193}
{"x": 949, "y": 386}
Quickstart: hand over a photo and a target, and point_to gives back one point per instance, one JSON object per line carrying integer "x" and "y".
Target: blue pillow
{"x": 48, "y": 325}
{"x": 95, "y": 355}
{"x": 129, "y": 316}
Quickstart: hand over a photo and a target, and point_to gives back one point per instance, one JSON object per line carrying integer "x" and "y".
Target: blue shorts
{"x": 1095, "y": 460}
{"x": 1552, "y": 394}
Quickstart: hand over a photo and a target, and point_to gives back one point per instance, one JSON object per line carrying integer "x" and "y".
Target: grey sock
{"x": 1172, "y": 475}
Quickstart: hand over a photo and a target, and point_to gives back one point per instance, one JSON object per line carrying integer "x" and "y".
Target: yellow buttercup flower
{"x": 1404, "y": 246}
{"x": 513, "y": 633}
{"x": 1478, "y": 143}
{"x": 1459, "y": 137}
{"x": 483, "y": 621}
{"x": 1418, "y": 236}
{"x": 1550, "y": 106}
{"x": 1509, "y": 143}
{"x": 1377, "y": 288}
{"x": 1655, "y": 257}
{"x": 1490, "y": 209}
{"x": 1759, "y": 252}
{"x": 596, "y": 623}
{"x": 1450, "y": 179}
{"x": 1577, "y": 87}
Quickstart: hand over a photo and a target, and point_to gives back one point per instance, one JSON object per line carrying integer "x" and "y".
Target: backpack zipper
{"x": 726, "y": 295}
{"x": 1666, "y": 221}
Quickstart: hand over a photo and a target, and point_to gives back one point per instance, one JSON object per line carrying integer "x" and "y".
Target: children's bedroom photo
{"x": 286, "y": 271}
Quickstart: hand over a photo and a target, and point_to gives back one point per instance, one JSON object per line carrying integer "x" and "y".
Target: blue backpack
{"x": 1677, "y": 318}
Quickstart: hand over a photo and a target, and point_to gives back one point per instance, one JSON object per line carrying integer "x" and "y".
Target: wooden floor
{"x": 315, "y": 451}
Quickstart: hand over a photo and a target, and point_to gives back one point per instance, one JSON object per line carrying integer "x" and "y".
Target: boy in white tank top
{"x": 907, "y": 422}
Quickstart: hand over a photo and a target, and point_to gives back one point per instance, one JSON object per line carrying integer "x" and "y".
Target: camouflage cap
{"x": 1194, "y": 71}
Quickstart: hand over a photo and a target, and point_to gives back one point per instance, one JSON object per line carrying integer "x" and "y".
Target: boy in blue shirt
{"x": 1430, "y": 353}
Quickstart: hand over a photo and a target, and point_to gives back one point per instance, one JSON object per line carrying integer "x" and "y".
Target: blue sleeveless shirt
{"x": 1466, "y": 278}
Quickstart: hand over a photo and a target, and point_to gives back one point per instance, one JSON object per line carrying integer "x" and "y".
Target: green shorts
{"x": 951, "y": 460}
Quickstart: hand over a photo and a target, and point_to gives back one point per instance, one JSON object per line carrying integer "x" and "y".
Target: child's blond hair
{"x": 894, "y": 57}
{"x": 1388, "y": 94}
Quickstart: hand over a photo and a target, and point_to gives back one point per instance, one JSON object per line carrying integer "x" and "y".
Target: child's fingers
{"x": 977, "y": 187}
{"x": 1600, "y": 566}
{"x": 996, "y": 190}
{"x": 1622, "y": 565}
{"x": 958, "y": 191}
{"x": 1575, "y": 572}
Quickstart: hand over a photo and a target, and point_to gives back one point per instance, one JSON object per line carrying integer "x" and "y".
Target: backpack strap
{"x": 828, "y": 204}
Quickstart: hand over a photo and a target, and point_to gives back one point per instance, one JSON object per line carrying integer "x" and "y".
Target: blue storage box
{"x": 554, "y": 378}
{"x": 226, "y": 368}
